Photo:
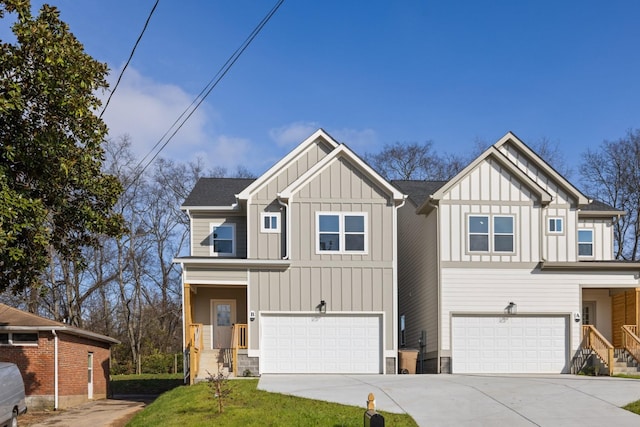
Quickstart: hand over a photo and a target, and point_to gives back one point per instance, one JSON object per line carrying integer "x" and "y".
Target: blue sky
{"x": 368, "y": 72}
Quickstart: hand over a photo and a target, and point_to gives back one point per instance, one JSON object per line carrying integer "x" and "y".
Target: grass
{"x": 633, "y": 406}
{"x": 195, "y": 405}
{"x": 152, "y": 384}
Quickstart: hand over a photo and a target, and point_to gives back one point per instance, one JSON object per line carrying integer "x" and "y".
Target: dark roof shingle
{"x": 216, "y": 191}
{"x": 418, "y": 191}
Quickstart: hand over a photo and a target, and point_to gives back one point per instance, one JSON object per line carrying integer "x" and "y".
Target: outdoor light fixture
{"x": 323, "y": 307}
{"x": 512, "y": 308}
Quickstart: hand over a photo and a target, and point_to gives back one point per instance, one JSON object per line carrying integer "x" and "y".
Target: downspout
{"x": 287, "y": 246}
{"x": 395, "y": 285}
{"x": 55, "y": 370}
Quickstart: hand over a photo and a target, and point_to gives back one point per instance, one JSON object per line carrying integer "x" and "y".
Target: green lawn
{"x": 633, "y": 406}
{"x": 196, "y": 405}
{"x": 145, "y": 383}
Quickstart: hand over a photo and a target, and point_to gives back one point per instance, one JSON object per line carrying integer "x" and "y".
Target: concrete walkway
{"x": 476, "y": 400}
{"x": 98, "y": 413}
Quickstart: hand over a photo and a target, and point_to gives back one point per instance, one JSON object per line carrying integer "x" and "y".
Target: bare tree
{"x": 611, "y": 174}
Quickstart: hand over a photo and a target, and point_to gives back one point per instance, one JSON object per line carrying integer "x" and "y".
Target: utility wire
{"x": 199, "y": 99}
{"x": 130, "y": 57}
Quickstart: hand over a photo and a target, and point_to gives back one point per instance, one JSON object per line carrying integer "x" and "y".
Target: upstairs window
{"x": 223, "y": 240}
{"x": 270, "y": 222}
{"x": 341, "y": 232}
{"x": 491, "y": 234}
{"x": 556, "y": 226}
{"x": 585, "y": 243}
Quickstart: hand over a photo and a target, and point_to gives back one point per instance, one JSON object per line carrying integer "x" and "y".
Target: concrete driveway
{"x": 476, "y": 400}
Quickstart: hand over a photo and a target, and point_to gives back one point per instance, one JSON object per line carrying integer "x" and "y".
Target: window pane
{"x": 354, "y": 242}
{"x": 503, "y": 224}
{"x": 558, "y": 226}
{"x": 354, "y": 224}
{"x": 585, "y": 236}
{"x": 329, "y": 223}
{"x": 24, "y": 338}
{"x": 478, "y": 243}
{"x": 503, "y": 243}
{"x": 585, "y": 249}
{"x": 478, "y": 224}
{"x": 267, "y": 222}
{"x": 223, "y": 246}
{"x": 223, "y": 315}
{"x": 223, "y": 232}
{"x": 4, "y": 338}
{"x": 329, "y": 242}
{"x": 274, "y": 222}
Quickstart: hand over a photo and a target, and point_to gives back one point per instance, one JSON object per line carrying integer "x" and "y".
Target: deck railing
{"x": 630, "y": 341}
{"x": 599, "y": 344}
{"x": 238, "y": 341}
{"x": 194, "y": 348}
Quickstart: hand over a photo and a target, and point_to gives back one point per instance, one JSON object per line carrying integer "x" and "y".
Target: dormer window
{"x": 223, "y": 240}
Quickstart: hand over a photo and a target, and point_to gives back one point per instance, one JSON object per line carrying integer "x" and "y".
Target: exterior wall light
{"x": 323, "y": 307}
{"x": 512, "y": 308}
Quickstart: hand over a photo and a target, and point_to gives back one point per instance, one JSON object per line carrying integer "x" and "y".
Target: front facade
{"x": 61, "y": 366}
{"x": 294, "y": 272}
{"x": 503, "y": 268}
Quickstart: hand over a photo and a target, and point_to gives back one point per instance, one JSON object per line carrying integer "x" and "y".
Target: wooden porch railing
{"x": 194, "y": 347}
{"x": 630, "y": 341}
{"x": 238, "y": 341}
{"x": 599, "y": 344}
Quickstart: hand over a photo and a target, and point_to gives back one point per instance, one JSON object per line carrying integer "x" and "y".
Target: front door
{"x": 223, "y": 317}
{"x": 589, "y": 313}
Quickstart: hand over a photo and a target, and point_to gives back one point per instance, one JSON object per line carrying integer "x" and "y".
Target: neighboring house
{"x": 504, "y": 266}
{"x": 61, "y": 365}
{"x": 294, "y": 272}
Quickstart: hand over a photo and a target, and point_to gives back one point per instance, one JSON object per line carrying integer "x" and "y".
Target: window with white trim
{"x": 585, "y": 242}
{"x": 18, "y": 338}
{"x": 223, "y": 238}
{"x": 491, "y": 233}
{"x": 270, "y": 222}
{"x": 556, "y": 226}
{"x": 338, "y": 232}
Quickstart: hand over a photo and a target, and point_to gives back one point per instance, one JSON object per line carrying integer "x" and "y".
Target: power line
{"x": 199, "y": 99}
{"x": 130, "y": 57}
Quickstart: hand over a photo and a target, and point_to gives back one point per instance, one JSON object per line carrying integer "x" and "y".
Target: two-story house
{"x": 503, "y": 268}
{"x": 295, "y": 271}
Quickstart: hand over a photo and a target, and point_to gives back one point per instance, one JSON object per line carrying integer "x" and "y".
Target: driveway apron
{"x": 476, "y": 400}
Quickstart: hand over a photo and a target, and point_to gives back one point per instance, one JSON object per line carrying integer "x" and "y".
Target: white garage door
{"x": 325, "y": 343}
{"x": 514, "y": 344}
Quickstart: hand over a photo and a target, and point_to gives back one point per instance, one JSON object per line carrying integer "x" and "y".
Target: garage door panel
{"x": 523, "y": 344}
{"x": 323, "y": 344}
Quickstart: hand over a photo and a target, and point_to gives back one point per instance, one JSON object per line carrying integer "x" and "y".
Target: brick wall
{"x": 36, "y": 363}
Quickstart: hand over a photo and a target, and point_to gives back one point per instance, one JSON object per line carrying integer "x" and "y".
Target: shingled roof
{"x": 12, "y": 319}
{"x": 216, "y": 191}
{"x": 418, "y": 191}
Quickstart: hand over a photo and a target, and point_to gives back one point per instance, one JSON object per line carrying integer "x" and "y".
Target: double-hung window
{"x": 338, "y": 232}
{"x": 585, "y": 242}
{"x": 491, "y": 233}
{"x": 223, "y": 239}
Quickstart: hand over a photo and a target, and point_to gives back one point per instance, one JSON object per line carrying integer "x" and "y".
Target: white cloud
{"x": 359, "y": 140}
{"x": 145, "y": 109}
{"x": 293, "y": 134}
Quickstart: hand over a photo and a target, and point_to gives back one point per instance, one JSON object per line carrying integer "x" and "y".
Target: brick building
{"x": 62, "y": 366}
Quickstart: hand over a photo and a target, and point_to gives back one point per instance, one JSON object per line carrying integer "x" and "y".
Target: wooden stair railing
{"x": 599, "y": 344}
{"x": 194, "y": 348}
{"x": 630, "y": 341}
{"x": 238, "y": 341}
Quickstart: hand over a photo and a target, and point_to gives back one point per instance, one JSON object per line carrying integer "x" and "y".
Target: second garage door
{"x": 509, "y": 344}
{"x": 293, "y": 343}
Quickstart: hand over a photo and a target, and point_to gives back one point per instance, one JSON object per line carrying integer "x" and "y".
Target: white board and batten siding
{"x": 308, "y": 343}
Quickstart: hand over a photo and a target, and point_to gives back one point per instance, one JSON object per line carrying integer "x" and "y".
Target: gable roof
{"x": 12, "y": 319}
{"x": 342, "y": 151}
{"x": 275, "y": 169}
{"x": 510, "y": 137}
{"x": 215, "y": 193}
{"x": 493, "y": 153}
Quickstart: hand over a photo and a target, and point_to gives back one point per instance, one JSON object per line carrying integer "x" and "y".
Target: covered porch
{"x": 215, "y": 321}
{"x": 610, "y": 324}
